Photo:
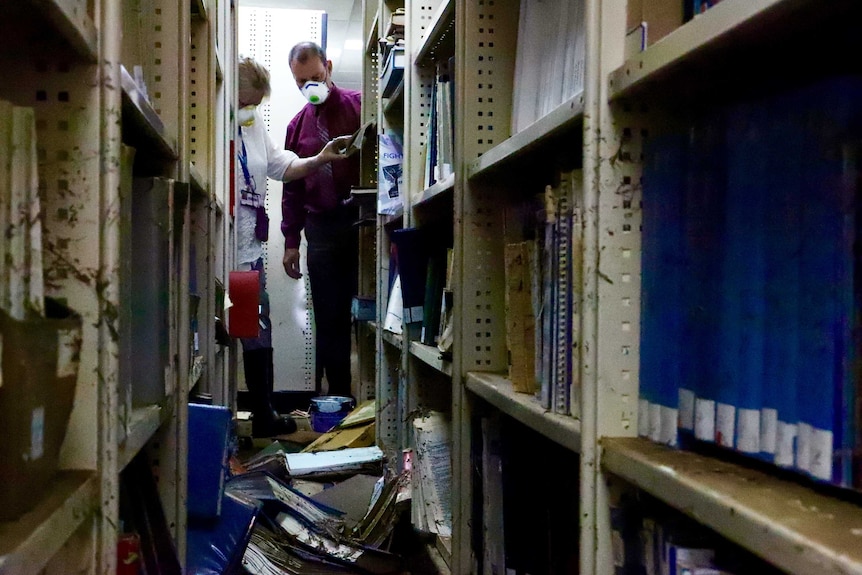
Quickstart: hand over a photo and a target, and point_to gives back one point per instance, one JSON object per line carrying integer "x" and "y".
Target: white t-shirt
{"x": 262, "y": 159}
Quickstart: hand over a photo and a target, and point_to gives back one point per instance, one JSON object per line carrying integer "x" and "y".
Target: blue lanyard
{"x": 243, "y": 162}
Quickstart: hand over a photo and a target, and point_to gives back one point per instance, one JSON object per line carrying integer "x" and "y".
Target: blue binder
{"x": 216, "y": 546}
{"x": 209, "y": 441}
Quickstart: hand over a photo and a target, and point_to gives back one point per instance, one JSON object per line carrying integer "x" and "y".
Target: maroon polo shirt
{"x": 317, "y": 194}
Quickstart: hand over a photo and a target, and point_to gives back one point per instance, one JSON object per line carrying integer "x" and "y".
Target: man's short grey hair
{"x": 305, "y": 50}
{"x": 251, "y": 74}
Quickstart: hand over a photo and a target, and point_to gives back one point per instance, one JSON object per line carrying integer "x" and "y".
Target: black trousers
{"x": 333, "y": 269}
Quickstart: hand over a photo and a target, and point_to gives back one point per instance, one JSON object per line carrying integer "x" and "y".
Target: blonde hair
{"x": 253, "y": 75}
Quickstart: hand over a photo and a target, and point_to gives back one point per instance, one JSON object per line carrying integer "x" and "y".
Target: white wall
{"x": 267, "y": 34}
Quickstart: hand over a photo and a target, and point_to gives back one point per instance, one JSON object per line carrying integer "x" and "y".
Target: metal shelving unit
{"x": 74, "y": 63}
{"x": 736, "y": 47}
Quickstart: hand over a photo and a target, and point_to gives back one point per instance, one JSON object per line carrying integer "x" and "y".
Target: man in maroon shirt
{"x": 318, "y": 205}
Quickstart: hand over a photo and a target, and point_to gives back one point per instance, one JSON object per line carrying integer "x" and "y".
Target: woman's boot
{"x": 265, "y": 422}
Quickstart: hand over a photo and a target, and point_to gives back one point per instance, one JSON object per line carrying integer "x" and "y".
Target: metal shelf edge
{"x": 440, "y": 22}
{"x": 143, "y": 424}
{"x": 146, "y": 115}
{"x": 788, "y": 524}
{"x": 704, "y": 31}
{"x": 530, "y": 137}
{"x": 80, "y": 32}
{"x": 393, "y": 339}
{"x": 498, "y": 391}
{"x": 437, "y": 189}
{"x": 29, "y": 543}
{"x": 371, "y": 41}
{"x": 432, "y": 356}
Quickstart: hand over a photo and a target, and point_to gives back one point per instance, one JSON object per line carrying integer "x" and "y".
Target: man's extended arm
{"x": 302, "y": 167}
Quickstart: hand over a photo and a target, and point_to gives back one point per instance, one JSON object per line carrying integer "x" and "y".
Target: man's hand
{"x": 291, "y": 263}
{"x": 333, "y": 150}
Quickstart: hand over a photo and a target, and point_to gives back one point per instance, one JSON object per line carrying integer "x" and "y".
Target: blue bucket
{"x": 327, "y": 411}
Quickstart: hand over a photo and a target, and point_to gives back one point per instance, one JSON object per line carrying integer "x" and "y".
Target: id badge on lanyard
{"x": 248, "y": 195}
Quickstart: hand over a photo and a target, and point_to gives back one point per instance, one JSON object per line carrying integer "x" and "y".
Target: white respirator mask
{"x": 315, "y": 92}
{"x": 245, "y": 116}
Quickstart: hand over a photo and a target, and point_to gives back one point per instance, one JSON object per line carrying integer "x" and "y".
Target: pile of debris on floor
{"x": 330, "y": 507}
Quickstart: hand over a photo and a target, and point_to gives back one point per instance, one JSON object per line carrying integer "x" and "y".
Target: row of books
{"x": 523, "y": 482}
{"x": 543, "y": 298}
{"x": 750, "y": 280}
{"x": 440, "y": 139}
{"x": 549, "y": 65}
{"x": 420, "y": 292}
{"x": 650, "y": 538}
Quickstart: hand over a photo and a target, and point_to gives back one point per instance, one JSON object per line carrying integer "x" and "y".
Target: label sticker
{"x": 37, "y": 433}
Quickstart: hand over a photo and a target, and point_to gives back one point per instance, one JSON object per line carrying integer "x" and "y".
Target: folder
{"x": 412, "y": 247}
{"x": 244, "y": 290}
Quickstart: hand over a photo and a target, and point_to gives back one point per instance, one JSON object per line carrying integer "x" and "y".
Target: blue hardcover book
{"x": 828, "y": 394}
{"x": 843, "y": 132}
{"x": 673, "y": 167}
{"x": 739, "y": 389}
{"x": 663, "y": 278}
{"x": 817, "y": 295}
{"x": 783, "y": 243}
{"x": 704, "y": 215}
{"x": 651, "y": 273}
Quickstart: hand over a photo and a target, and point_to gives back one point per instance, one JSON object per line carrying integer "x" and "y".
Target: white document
{"x": 323, "y": 462}
{"x": 433, "y": 438}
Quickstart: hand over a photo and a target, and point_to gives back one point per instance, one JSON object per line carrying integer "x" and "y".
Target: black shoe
{"x": 272, "y": 426}
{"x": 265, "y": 422}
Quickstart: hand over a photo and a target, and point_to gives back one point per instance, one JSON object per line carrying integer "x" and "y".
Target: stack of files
{"x": 268, "y": 554}
{"x": 395, "y": 27}
{"x": 751, "y": 289}
{"x": 143, "y": 514}
{"x": 309, "y": 531}
{"x": 432, "y": 474}
{"x": 549, "y": 66}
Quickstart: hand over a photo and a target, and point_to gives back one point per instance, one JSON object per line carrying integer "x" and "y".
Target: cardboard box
{"x": 660, "y": 16}
{"x": 40, "y": 360}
